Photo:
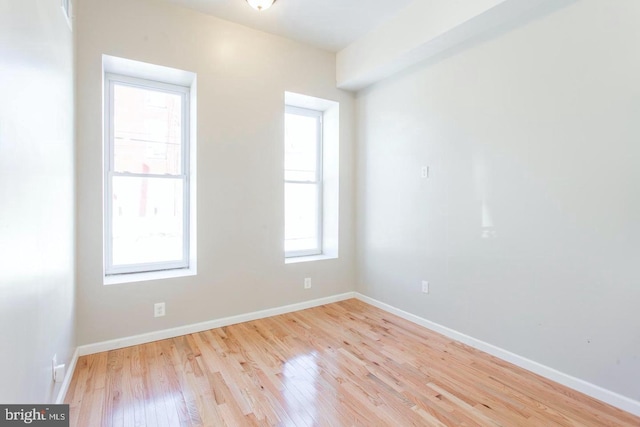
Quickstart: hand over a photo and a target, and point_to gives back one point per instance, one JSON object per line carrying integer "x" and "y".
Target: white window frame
{"x": 318, "y": 181}
{"x": 111, "y": 80}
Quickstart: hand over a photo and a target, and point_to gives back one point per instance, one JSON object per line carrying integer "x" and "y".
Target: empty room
{"x": 319, "y": 213}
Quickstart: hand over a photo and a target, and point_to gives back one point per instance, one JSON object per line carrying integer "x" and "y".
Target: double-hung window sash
{"x": 146, "y": 222}
{"x": 303, "y": 182}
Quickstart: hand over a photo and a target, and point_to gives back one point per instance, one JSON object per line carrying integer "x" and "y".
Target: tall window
{"x": 303, "y": 182}
{"x": 146, "y": 175}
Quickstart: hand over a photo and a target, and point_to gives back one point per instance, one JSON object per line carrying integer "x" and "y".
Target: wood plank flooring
{"x": 343, "y": 364}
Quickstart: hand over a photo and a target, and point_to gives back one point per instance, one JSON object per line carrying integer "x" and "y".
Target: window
{"x": 303, "y": 182}
{"x": 311, "y": 178}
{"x": 147, "y": 163}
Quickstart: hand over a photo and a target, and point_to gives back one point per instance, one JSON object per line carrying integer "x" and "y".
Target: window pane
{"x": 147, "y": 220}
{"x": 301, "y": 147}
{"x": 301, "y": 217}
{"x": 147, "y": 131}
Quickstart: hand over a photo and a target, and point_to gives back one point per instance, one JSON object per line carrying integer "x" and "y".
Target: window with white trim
{"x": 303, "y": 182}
{"x": 147, "y": 163}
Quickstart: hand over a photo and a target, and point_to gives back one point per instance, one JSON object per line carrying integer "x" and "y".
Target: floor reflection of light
{"x": 300, "y": 388}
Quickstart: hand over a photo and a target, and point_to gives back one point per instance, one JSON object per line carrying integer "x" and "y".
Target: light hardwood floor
{"x": 341, "y": 364}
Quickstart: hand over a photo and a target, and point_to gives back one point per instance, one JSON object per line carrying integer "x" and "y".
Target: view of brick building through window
{"x": 148, "y": 177}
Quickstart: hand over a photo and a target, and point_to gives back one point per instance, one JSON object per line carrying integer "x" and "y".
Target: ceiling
{"x": 327, "y": 24}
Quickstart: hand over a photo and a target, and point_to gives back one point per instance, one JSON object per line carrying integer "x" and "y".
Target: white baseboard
{"x": 614, "y": 399}
{"x": 67, "y": 378}
{"x": 619, "y": 401}
{"x": 98, "y": 347}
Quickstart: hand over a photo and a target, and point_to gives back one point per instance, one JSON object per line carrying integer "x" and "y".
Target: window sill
{"x": 309, "y": 258}
{"x": 117, "y": 279}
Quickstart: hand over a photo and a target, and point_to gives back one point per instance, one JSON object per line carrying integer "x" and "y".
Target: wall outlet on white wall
{"x": 54, "y": 362}
{"x": 425, "y": 287}
{"x": 158, "y": 309}
{"x": 57, "y": 371}
{"x": 424, "y": 172}
{"x": 307, "y": 283}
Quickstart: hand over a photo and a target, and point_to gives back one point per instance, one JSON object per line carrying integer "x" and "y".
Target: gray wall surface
{"x": 527, "y": 228}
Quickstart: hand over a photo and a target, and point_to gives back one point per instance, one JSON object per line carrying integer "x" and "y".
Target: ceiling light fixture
{"x": 261, "y": 4}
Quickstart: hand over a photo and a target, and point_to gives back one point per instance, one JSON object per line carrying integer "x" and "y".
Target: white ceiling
{"x": 327, "y": 24}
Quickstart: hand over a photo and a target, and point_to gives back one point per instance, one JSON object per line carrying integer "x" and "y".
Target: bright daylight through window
{"x": 303, "y": 182}
{"x": 146, "y": 175}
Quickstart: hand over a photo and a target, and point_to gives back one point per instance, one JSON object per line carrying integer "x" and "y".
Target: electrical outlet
{"x": 425, "y": 287}
{"x": 307, "y": 283}
{"x": 57, "y": 371}
{"x": 158, "y": 309}
{"x": 54, "y": 363}
{"x": 424, "y": 172}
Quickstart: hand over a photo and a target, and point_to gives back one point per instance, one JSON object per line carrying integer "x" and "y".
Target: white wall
{"x": 396, "y": 43}
{"x": 528, "y": 227}
{"x": 425, "y": 29}
{"x": 242, "y": 75}
{"x": 36, "y": 198}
